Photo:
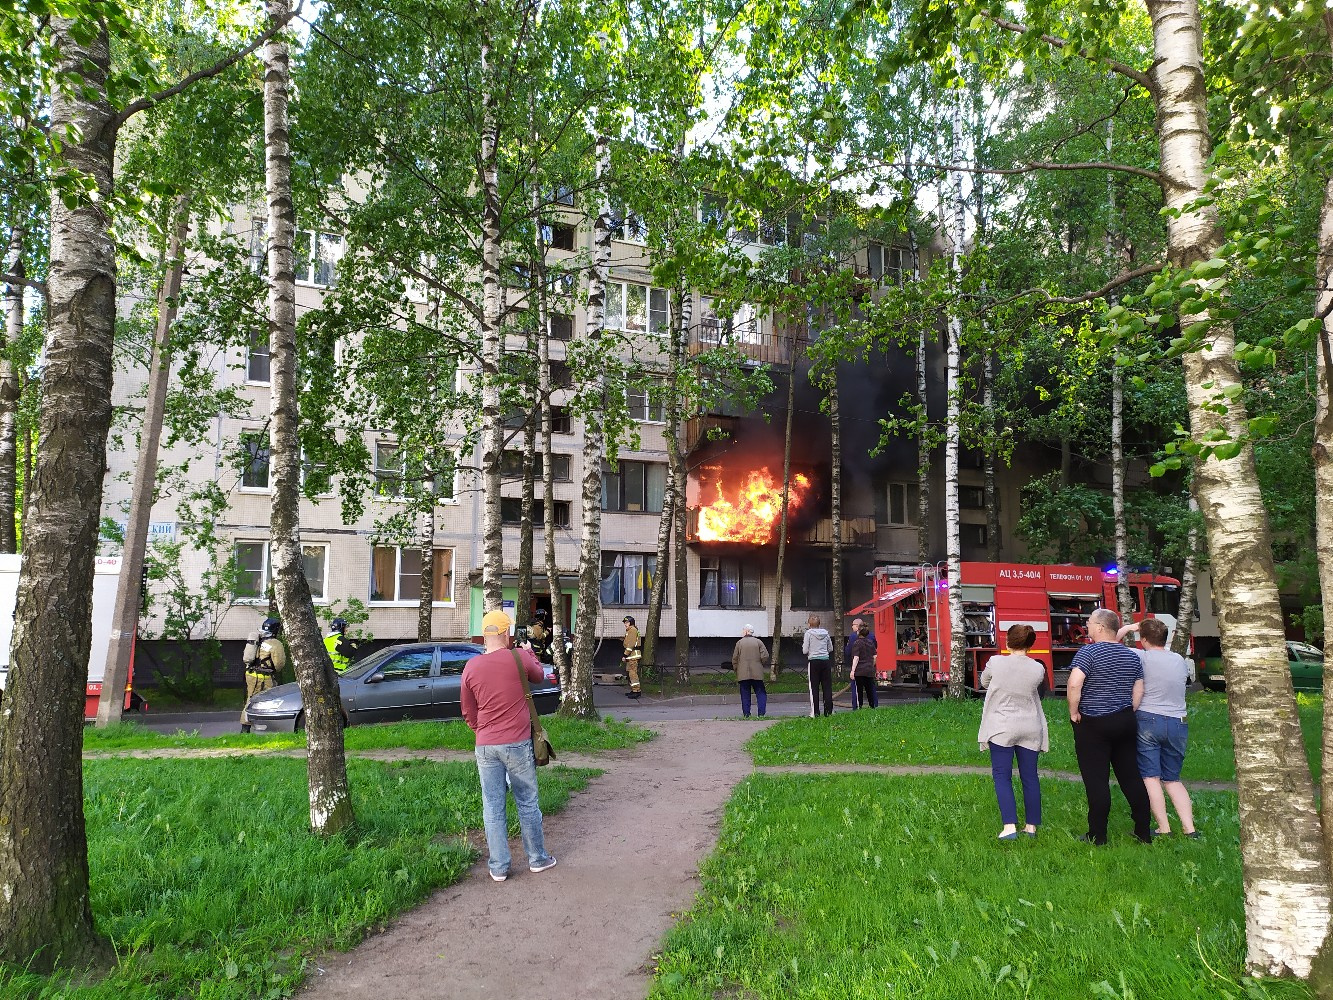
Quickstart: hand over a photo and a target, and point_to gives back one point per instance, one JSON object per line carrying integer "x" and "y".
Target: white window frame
{"x": 255, "y": 432}
{"x": 385, "y": 475}
{"x": 250, "y": 354}
{"x": 266, "y": 570}
{"x": 314, "y": 240}
{"x": 639, "y": 403}
{"x": 655, "y": 304}
{"x": 399, "y": 601}
{"x": 744, "y": 326}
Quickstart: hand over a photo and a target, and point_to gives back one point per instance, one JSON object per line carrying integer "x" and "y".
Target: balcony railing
{"x": 856, "y": 531}
{"x": 751, "y": 339}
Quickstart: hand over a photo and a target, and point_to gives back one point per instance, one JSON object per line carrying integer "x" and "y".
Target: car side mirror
{"x": 373, "y": 679}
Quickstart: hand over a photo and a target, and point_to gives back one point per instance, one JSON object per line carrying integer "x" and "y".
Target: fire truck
{"x": 910, "y": 609}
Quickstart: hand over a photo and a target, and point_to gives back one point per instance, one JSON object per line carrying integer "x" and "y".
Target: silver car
{"x": 397, "y": 683}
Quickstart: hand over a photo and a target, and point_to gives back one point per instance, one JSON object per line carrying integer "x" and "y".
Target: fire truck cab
{"x": 910, "y": 608}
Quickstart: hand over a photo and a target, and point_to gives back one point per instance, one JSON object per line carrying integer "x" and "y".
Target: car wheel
{"x": 1214, "y": 684}
{"x": 299, "y": 725}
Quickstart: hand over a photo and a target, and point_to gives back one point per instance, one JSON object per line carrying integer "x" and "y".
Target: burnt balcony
{"x": 857, "y": 532}
{"x": 751, "y": 338}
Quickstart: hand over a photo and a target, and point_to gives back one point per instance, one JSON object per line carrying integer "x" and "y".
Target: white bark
{"x": 492, "y": 432}
{"x": 1285, "y": 871}
{"x": 953, "y": 429}
{"x": 326, "y": 767}
{"x": 780, "y": 597}
{"x": 676, "y": 459}
{"x": 578, "y": 698}
{"x": 111, "y": 704}
{"x": 9, "y": 396}
{"x": 1123, "y": 598}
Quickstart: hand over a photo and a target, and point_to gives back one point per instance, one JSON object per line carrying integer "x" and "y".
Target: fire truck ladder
{"x": 937, "y": 653}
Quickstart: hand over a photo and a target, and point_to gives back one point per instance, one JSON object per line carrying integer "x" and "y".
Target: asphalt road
{"x": 609, "y": 699}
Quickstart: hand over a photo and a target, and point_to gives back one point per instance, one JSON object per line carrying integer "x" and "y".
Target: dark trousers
{"x": 821, "y": 684}
{"x": 1104, "y": 743}
{"x": 1002, "y": 773}
{"x": 866, "y": 695}
{"x": 758, "y": 688}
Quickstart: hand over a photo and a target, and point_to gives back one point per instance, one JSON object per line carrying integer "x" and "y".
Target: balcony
{"x": 750, "y": 338}
{"x": 857, "y": 532}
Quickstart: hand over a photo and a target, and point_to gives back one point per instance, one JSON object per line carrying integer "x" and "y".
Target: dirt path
{"x": 629, "y": 848}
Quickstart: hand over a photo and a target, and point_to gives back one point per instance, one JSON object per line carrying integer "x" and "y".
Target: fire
{"x": 752, "y": 514}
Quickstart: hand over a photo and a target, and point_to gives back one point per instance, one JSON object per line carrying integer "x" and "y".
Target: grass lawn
{"x": 827, "y": 887}
{"x": 724, "y": 683}
{"x": 208, "y": 885}
{"x": 573, "y": 735}
{"x": 945, "y": 732}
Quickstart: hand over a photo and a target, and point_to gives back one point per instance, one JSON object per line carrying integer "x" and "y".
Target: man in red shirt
{"x": 497, "y": 711}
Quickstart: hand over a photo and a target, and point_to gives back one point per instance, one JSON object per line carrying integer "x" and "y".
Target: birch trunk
{"x": 9, "y": 398}
{"x": 923, "y": 434}
{"x": 326, "y": 766}
{"x": 46, "y": 919}
{"x": 111, "y": 704}
{"x": 782, "y": 522}
{"x": 1285, "y": 870}
{"x": 1189, "y": 590}
{"x": 835, "y": 501}
{"x": 953, "y": 434}
{"x": 523, "y": 603}
{"x": 657, "y": 596}
{"x": 578, "y": 698}
{"x": 1123, "y": 599}
{"x": 426, "y": 590}
{"x": 679, "y": 484}
{"x": 492, "y": 430}
{"x": 558, "y": 623}
{"x": 1322, "y": 454}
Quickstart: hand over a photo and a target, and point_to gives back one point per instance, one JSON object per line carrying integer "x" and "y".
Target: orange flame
{"x": 753, "y": 513}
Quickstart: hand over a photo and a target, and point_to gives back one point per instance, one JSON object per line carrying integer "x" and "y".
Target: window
{"x": 558, "y": 236}
{"x": 634, "y": 487}
{"x": 643, "y": 407}
{"x": 561, "y": 326}
{"x": 515, "y": 274}
{"x": 315, "y": 477}
{"x": 973, "y": 534}
{"x": 627, "y": 577}
{"x": 560, "y": 420}
{"x": 395, "y": 575}
{"x": 897, "y": 504}
{"x": 388, "y": 470}
{"x": 625, "y": 225}
{"x": 511, "y": 466}
{"x": 563, "y": 194}
{"x": 729, "y": 583}
{"x": 561, "y": 376}
{"x": 892, "y": 264}
{"x": 713, "y": 211}
{"x": 410, "y": 666}
{"x": 812, "y": 583}
{"x": 258, "y": 361}
{"x": 254, "y": 460}
{"x": 972, "y": 497}
{"x": 317, "y": 256}
{"x": 511, "y": 512}
{"x": 255, "y": 563}
{"x": 716, "y": 326}
{"x": 635, "y": 308}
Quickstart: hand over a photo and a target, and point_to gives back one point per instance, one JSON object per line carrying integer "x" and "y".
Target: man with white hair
{"x": 1105, "y": 687}
{"x": 749, "y": 659}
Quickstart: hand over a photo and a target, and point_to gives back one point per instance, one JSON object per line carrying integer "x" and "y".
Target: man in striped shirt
{"x": 1105, "y": 687}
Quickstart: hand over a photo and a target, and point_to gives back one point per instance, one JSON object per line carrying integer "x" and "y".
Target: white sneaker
{"x": 548, "y": 863}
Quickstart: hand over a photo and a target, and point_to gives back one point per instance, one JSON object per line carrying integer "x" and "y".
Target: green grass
{"x": 835, "y": 886}
{"x": 572, "y": 735}
{"x": 945, "y": 732}
{"x": 206, "y": 881}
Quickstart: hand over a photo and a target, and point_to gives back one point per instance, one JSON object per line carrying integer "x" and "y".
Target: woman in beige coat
{"x": 1014, "y": 725}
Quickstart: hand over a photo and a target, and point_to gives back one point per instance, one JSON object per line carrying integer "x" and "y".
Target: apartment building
{"x": 732, "y": 577}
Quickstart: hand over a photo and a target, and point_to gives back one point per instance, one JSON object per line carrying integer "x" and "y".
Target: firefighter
{"x": 631, "y": 656}
{"x": 338, "y": 645}
{"x": 539, "y": 638}
{"x": 264, "y": 659}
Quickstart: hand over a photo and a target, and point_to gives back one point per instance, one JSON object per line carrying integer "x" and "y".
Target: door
{"x": 399, "y": 689}
{"x": 447, "y": 700}
{"x": 1307, "y": 666}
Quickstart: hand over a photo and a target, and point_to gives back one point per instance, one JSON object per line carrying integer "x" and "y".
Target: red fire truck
{"x": 910, "y": 608}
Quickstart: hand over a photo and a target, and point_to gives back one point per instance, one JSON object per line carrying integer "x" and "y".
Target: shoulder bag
{"x": 542, "y": 751}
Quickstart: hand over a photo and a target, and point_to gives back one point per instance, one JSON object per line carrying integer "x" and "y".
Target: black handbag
{"x": 542, "y": 751}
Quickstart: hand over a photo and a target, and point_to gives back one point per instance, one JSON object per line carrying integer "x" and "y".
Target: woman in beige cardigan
{"x": 1013, "y": 724}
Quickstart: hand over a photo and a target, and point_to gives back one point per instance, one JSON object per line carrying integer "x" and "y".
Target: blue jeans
{"x": 1161, "y": 746}
{"x": 1002, "y": 773}
{"x": 758, "y": 688}
{"x": 512, "y": 761}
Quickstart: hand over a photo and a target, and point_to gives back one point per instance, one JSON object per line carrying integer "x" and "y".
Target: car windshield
{"x": 1164, "y": 600}
{"x": 1301, "y": 651}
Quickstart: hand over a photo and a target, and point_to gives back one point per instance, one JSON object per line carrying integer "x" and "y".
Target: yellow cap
{"x": 495, "y": 623}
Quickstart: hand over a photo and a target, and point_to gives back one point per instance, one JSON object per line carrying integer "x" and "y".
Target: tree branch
{"x": 221, "y": 66}
{"x": 1030, "y": 166}
{"x": 1123, "y": 278}
{"x": 14, "y": 279}
{"x": 1055, "y": 42}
